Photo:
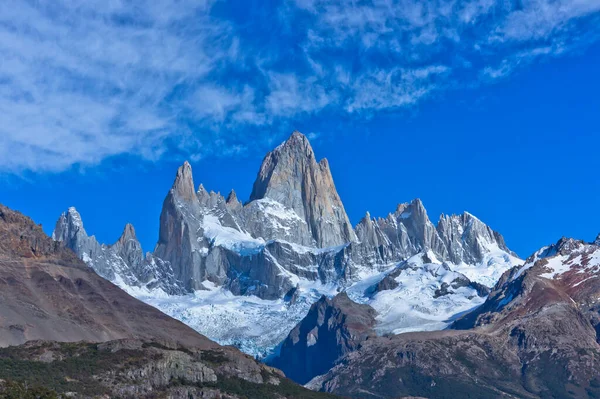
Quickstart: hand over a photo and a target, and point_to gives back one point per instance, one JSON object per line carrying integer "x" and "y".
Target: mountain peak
{"x": 298, "y": 138}
{"x": 73, "y": 217}
{"x": 184, "y": 182}
{"x": 417, "y": 203}
{"x": 232, "y": 197}
{"x": 296, "y": 145}
{"x": 128, "y": 232}
{"x": 400, "y": 208}
{"x": 291, "y": 176}
{"x": 597, "y": 240}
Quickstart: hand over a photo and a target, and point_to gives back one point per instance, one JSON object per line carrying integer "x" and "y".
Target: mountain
{"x": 49, "y": 294}
{"x": 419, "y": 294}
{"x": 65, "y": 328}
{"x": 123, "y": 262}
{"x": 331, "y": 329}
{"x": 462, "y": 240}
{"x": 534, "y": 337}
{"x": 261, "y": 265}
{"x": 291, "y": 175}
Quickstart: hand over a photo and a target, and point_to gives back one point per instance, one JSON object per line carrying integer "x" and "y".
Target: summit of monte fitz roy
{"x": 394, "y": 306}
{"x": 247, "y": 273}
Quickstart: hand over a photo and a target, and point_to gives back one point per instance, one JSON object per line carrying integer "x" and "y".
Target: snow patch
{"x": 230, "y": 238}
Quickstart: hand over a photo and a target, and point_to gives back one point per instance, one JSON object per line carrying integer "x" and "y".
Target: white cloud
{"x": 288, "y": 95}
{"x": 81, "y": 81}
{"x": 394, "y": 45}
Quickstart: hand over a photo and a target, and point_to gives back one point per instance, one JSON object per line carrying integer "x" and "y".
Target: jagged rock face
{"x": 292, "y": 176}
{"x": 401, "y": 234}
{"x": 207, "y": 237}
{"x": 70, "y": 231}
{"x": 332, "y": 328}
{"x": 180, "y": 220}
{"x": 534, "y": 337}
{"x": 129, "y": 248}
{"x": 456, "y": 238}
{"x": 467, "y": 238}
{"x": 48, "y": 293}
{"x": 122, "y": 263}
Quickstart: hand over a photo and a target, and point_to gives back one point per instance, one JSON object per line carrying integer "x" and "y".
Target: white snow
{"x": 557, "y": 265}
{"x": 487, "y": 272}
{"x": 412, "y": 306}
{"x": 254, "y": 325}
{"x": 585, "y": 258}
{"x": 257, "y": 326}
{"x": 230, "y": 238}
{"x": 273, "y": 208}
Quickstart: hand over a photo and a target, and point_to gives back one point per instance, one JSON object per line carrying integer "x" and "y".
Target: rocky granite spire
{"x": 368, "y": 233}
{"x": 129, "y": 248}
{"x": 459, "y": 239}
{"x": 123, "y": 263}
{"x": 232, "y": 201}
{"x": 112, "y": 262}
{"x": 180, "y": 220}
{"x": 424, "y": 236}
{"x": 69, "y": 230}
{"x": 183, "y": 186}
{"x": 468, "y": 238}
{"x": 291, "y": 176}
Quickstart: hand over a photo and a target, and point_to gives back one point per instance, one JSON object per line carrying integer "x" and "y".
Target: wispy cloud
{"x": 81, "y": 81}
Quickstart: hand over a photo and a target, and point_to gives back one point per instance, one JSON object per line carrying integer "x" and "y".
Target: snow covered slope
{"x": 259, "y": 266}
{"x": 419, "y": 294}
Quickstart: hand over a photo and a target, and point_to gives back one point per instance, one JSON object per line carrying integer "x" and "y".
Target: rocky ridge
{"x": 535, "y": 336}
{"x": 64, "y": 328}
{"x": 138, "y": 369}
{"x": 331, "y": 329}
{"x": 294, "y": 226}
{"x": 292, "y": 240}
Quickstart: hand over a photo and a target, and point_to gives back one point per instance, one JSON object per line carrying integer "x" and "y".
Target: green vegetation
{"x": 76, "y": 367}
{"x": 249, "y": 390}
{"x": 16, "y": 390}
{"x": 72, "y": 374}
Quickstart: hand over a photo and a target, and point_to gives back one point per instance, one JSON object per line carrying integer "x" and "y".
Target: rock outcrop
{"x": 291, "y": 176}
{"x": 332, "y": 329}
{"x": 139, "y": 369}
{"x": 123, "y": 262}
{"x": 459, "y": 239}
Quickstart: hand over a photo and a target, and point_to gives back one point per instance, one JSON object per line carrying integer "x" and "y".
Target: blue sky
{"x": 478, "y": 105}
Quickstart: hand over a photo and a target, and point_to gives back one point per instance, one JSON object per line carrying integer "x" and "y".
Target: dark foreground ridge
{"x": 136, "y": 369}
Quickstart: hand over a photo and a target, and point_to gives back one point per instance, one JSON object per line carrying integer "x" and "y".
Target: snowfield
{"x": 257, "y": 326}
